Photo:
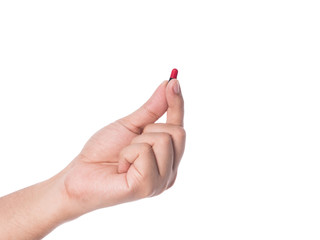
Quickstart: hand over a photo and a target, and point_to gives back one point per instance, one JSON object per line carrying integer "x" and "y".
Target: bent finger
{"x": 177, "y": 134}
{"x": 163, "y": 149}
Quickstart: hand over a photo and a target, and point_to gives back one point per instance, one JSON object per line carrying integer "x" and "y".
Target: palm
{"x": 95, "y": 172}
{"x": 105, "y": 145}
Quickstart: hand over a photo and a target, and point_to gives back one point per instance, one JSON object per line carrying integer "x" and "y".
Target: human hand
{"x": 131, "y": 158}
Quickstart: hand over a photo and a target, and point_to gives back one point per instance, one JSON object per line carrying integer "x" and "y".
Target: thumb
{"x": 149, "y": 112}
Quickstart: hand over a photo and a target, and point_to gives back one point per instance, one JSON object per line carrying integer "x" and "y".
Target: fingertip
{"x": 174, "y": 89}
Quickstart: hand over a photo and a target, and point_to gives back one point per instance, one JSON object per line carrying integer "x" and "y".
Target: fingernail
{"x": 176, "y": 87}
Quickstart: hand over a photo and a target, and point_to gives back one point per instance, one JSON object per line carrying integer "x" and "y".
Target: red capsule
{"x": 174, "y": 74}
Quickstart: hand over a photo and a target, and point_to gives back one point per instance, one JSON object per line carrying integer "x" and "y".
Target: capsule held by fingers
{"x": 174, "y": 74}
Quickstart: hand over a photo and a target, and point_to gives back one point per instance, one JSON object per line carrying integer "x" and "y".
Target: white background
{"x": 249, "y": 73}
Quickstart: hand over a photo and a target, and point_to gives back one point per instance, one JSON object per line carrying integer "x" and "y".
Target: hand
{"x": 131, "y": 158}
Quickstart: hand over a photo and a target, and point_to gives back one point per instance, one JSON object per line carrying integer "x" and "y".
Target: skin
{"x": 130, "y": 159}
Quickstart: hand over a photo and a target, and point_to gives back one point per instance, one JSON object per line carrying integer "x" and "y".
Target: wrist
{"x": 49, "y": 206}
{"x": 33, "y": 212}
{"x": 63, "y": 207}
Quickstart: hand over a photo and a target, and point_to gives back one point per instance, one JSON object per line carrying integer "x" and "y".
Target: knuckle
{"x": 151, "y": 187}
{"x": 148, "y": 128}
{"x": 164, "y": 138}
{"x": 151, "y": 113}
{"x": 129, "y": 125}
{"x": 145, "y": 147}
{"x": 180, "y": 132}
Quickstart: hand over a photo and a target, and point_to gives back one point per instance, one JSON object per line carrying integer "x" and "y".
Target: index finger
{"x": 175, "y": 102}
